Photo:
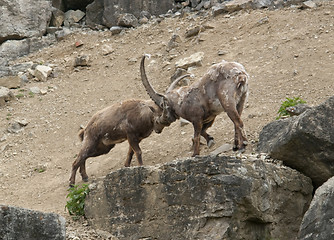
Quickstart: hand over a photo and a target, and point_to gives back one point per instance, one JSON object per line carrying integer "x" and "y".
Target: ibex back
{"x": 223, "y": 88}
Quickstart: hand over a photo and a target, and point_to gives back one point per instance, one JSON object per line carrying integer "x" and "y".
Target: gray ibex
{"x": 223, "y": 88}
{"x": 131, "y": 120}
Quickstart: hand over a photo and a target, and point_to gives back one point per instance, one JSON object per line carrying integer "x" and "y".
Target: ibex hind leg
{"x": 86, "y": 152}
{"x": 209, "y": 139}
{"x": 240, "y": 140}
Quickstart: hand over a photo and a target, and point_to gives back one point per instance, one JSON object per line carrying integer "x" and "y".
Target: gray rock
{"x": 127, "y": 20}
{"x": 21, "y": 67}
{"x": 5, "y": 95}
{"x": 57, "y": 18}
{"x": 35, "y": 90}
{"x": 201, "y": 198}
{"x": 218, "y": 9}
{"x": 23, "y": 224}
{"x": 17, "y": 126}
{"x": 309, "y": 4}
{"x": 145, "y": 14}
{"x": 116, "y": 30}
{"x": 297, "y": 109}
{"x": 59, "y": 4}
{"x": 194, "y": 3}
{"x": 23, "y": 19}
{"x": 304, "y": 142}
{"x": 192, "y": 31}
{"x": 106, "y": 12}
{"x": 5, "y": 70}
{"x": 194, "y": 60}
{"x": 72, "y": 17}
{"x": 82, "y": 61}
{"x": 53, "y": 30}
{"x": 13, "y": 49}
{"x": 94, "y": 13}
{"x": 318, "y": 221}
{"x": 174, "y": 42}
{"x": 60, "y": 35}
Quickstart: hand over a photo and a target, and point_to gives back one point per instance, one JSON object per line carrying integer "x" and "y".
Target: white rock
{"x": 42, "y": 72}
{"x": 193, "y": 60}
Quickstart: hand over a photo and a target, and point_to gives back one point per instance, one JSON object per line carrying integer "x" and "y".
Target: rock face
{"x": 23, "y": 224}
{"x": 23, "y": 19}
{"x": 304, "y": 142}
{"x": 318, "y": 221}
{"x": 106, "y": 12}
{"x": 201, "y": 198}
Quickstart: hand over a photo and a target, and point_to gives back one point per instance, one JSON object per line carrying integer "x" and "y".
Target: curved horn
{"x": 156, "y": 97}
{"x": 172, "y": 86}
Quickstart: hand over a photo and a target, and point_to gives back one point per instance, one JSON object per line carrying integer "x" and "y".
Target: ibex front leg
{"x": 197, "y": 135}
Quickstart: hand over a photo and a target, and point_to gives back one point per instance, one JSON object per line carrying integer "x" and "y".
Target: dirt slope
{"x": 287, "y": 53}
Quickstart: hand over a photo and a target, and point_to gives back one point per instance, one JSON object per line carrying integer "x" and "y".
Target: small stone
{"x": 82, "y": 61}
{"x": 42, "y": 72}
{"x": 5, "y": 95}
{"x": 107, "y": 49}
{"x": 192, "y": 31}
{"x": 116, "y": 30}
{"x": 143, "y": 20}
{"x": 309, "y": 4}
{"x": 78, "y": 43}
{"x": 35, "y": 90}
{"x": 127, "y": 20}
{"x": 222, "y": 52}
{"x": 193, "y": 60}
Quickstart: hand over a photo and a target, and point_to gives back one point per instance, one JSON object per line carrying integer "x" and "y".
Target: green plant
{"x": 20, "y": 95}
{"x": 76, "y": 203}
{"x": 31, "y": 94}
{"x": 289, "y": 102}
{"x": 40, "y": 169}
{"x": 8, "y": 116}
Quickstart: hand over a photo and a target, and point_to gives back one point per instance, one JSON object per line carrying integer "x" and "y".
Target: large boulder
{"x": 23, "y": 19}
{"x": 22, "y": 28}
{"x": 201, "y": 198}
{"x": 23, "y": 224}
{"x": 106, "y": 12}
{"x": 13, "y": 49}
{"x": 318, "y": 221}
{"x": 304, "y": 142}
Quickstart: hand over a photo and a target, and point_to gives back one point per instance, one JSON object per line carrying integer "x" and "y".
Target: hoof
{"x": 71, "y": 185}
{"x": 85, "y": 179}
{"x": 241, "y": 149}
{"x": 211, "y": 143}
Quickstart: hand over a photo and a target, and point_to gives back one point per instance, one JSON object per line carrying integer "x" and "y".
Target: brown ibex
{"x": 223, "y": 88}
{"x": 131, "y": 120}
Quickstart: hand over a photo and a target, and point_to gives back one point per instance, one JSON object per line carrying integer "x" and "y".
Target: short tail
{"x": 241, "y": 80}
{"x": 81, "y": 134}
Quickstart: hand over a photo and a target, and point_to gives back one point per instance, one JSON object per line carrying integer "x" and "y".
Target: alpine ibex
{"x": 131, "y": 120}
{"x": 223, "y": 88}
